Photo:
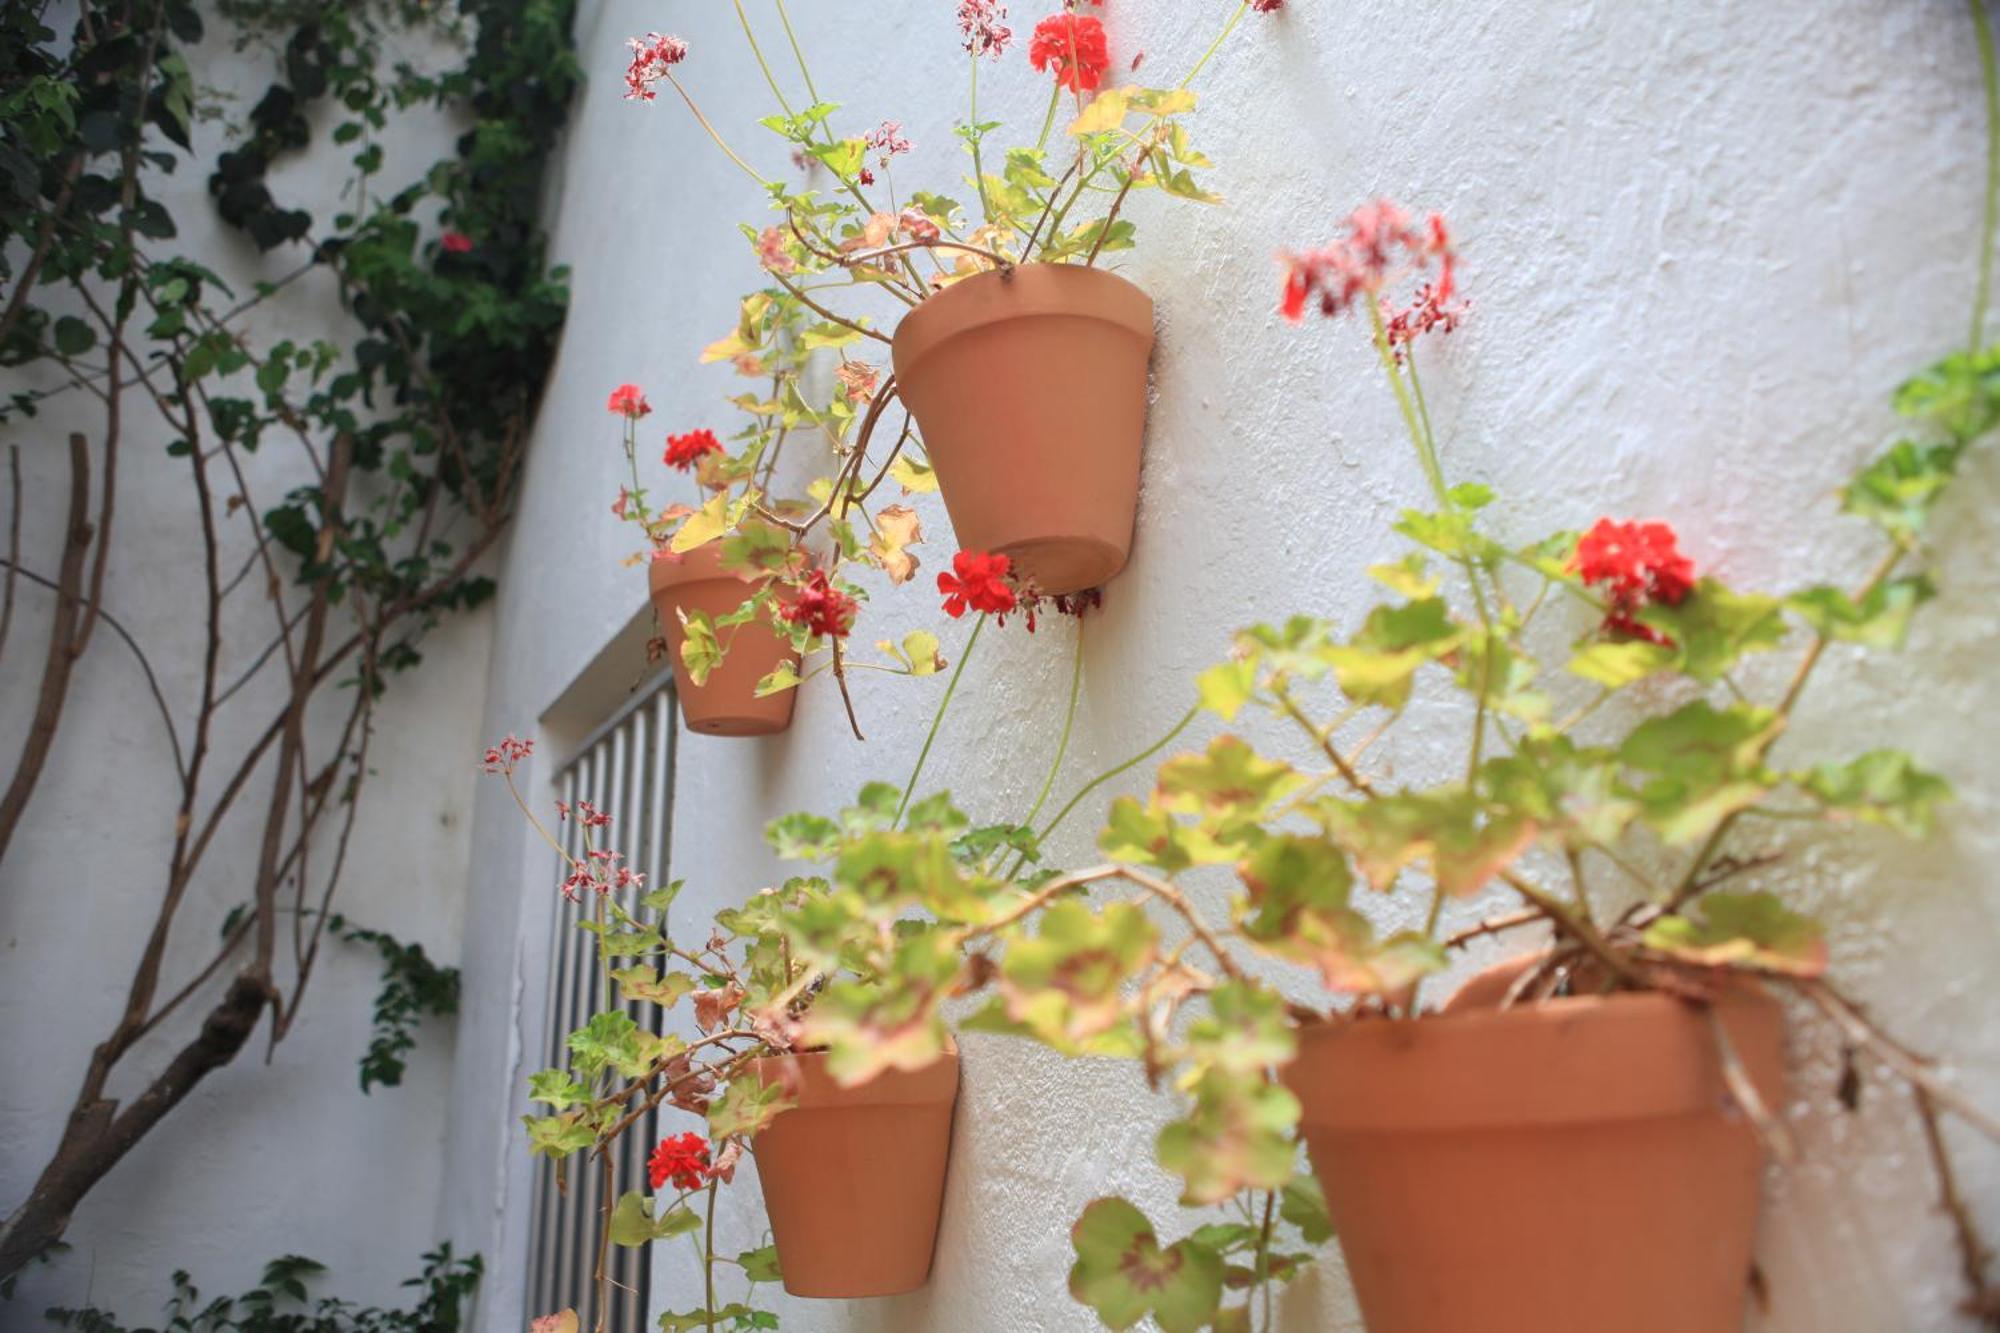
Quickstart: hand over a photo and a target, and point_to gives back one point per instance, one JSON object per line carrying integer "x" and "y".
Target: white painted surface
{"x": 1703, "y": 242}
{"x": 260, "y": 1160}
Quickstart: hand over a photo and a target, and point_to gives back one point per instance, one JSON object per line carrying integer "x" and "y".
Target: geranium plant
{"x": 848, "y": 247}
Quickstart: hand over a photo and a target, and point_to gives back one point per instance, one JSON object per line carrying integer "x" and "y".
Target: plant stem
{"x": 798, "y": 53}
{"x": 1109, "y": 774}
{"x": 972, "y": 124}
{"x": 951, "y": 688}
{"x": 1983, "y": 29}
{"x": 751, "y": 37}
{"x": 728, "y": 152}
{"x": 1069, "y": 720}
{"x": 1220, "y": 38}
{"x": 708, "y": 1254}
{"x": 1049, "y": 121}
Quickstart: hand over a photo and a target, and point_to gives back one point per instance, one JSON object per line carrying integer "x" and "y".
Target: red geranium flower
{"x": 682, "y": 1159}
{"x": 627, "y": 401}
{"x": 652, "y": 56}
{"x": 1075, "y": 47}
{"x": 684, "y": 450}
{"x": 1382, "y": 245}
{"x": 455, "y": 242}
{"x": 1635, "y": 563}
{"x": 820, "y": 607}
{"x": 978, "y": 581}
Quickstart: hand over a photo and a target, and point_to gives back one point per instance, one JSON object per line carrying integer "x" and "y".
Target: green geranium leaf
{"x": 1124, "y": 1274}
{"x": 556, "y": 1088}
{"x": 1296, "y": 907}
{"x": 785, "y": 677}
{"x": 1714, "y": 627}
{"x": 644, "y": 983}
{"x": 1450, "y": 533}
{"x": 1237, "y": 1135}
{"x": 1743, "y": 929}
{"x": 760, "y": 1265}
{"x": 1378, "y": 664}
{"x": 1226, "y": 688}
{"x": 701, "y": 652}
{"x": 1881, "y": 619}
{"x": 746, "y": 1106}
{"x": 935, "y": 814}
{"x": 633, "y": 1224}
{"x": 702, "y": 1319}
{"x": 609, "y": 1041}
{"x": 1896, "y": 490}
{"x": 1614, "y": 664}
{"x": 1148, "y": 835}
{"x": 1960, "y": 394}
{"x": 1245, "y": 1030}
{"x": 1063, "y": 983}
{"x": 1303, "y": 1204}
{"x": 1465, "y": 843}
{"x": 803, "y": 837}
{"x": 1407, "y": 578}
{"x": 1885, "y": 786}
{"x": 557, "y": 1136}
{"x": 1698, "y": 765}
{"x": 1562, "y": 787}
{"x": 1228, "y": 787}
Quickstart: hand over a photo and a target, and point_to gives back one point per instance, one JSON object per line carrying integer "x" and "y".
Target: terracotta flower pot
{"x": 854, "y": 1177}
{"x": 727, "y": 703}
{"x": 1030, "y": 389}
{"x": 1573, "y": 1166}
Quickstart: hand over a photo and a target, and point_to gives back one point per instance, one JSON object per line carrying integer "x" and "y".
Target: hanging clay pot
{"x": 1029, "y": 385}
{"x": 854, "y": 1177}
{"x": 726, "y": 704}
{"x": 1571, "y": 1166}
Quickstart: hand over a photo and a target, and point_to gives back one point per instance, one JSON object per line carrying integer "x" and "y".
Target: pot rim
{"x": 1024, "y": 291}
{"x": 814, "y": 1088}
{"x": 701, "y": 565}
{"x": 1596, "y": 1058}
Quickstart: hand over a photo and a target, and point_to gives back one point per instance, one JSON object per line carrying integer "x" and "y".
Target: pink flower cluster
{"x": 1382, "y": 246}
{"x": 981, "y": 23}
{"x": 512, "y": 750}
{"x": 652, "y": 57}
{"x": 887, "y": 140}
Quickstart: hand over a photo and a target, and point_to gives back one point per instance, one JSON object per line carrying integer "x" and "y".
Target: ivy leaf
{"x": 1237, "y": 1135}
{"x": 1884, "y": 786}
{"x": 1303, "y": 1204}
{"x": 897, "y": 528}
{"x": 1881, "y": 619}
{"x": 760, "y": 1265}
{"x": 556, "y": 1088}
{"x": 1064, "y": 983}
{"x": 1754, "y": 929}
{"x": 643, "y": 983}
{"x": 1297, "y": 908}
{"x": 1229, "y": 787}
{"x": 1614, "y": 664}
{"x": 1465, "y": 843}
{"x": 1378, "y": 665}
{"x": 1226, "y": 688}
{"x": 1122, "y": 1272}
{"x": 1715, "y": 626}
{"x": 1895, "y": 491}
{"x": 746, "y": 1106}
{"x": 633, "y": 1224}
{"x": 1698, "y": 765}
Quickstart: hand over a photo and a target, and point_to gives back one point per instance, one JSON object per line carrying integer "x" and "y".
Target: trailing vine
{"x": 400, "y": 435}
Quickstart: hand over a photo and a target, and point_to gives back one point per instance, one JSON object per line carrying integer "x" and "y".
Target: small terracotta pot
{"x": 1573, "y": 1166}
{"x": 1030, "y": 388}
{"x": 854, "y": 1177}
{"x": 727, "y": 703}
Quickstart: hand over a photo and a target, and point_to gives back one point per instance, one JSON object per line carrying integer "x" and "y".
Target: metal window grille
{"x": 626, "y": 769}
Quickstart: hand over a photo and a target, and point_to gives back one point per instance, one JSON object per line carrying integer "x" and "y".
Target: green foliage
{"x": 413, "y": 988}
{"x": 282, "y": 1303}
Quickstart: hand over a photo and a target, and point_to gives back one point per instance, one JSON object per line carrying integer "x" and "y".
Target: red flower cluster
{"x": 683, "y": 451}
{"x": 1635, "y": 563}
{"x": 512, "y": 750}
{"x": 626, "y": 401}
{"x": 820, "y": 607}
{"x": 887, "y": 139}
{"x": 1381, "y": 245}
{"x": 682, "y": 1159}
{"x": 1074, "y": 47}
{"x": 1267, "y": 6}
{"x": 652, "y": 56}
{"x": 455, "y": 242}
{"x": 979, "y": 582}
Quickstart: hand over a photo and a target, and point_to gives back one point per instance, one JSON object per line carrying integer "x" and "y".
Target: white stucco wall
{"x": 261, "y": 1160}
{"x": 1703, "y": 243}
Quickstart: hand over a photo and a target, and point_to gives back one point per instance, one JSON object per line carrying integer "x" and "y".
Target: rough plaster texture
{"x": 1703, "y": 242}
{"x": 260, "y": 1160}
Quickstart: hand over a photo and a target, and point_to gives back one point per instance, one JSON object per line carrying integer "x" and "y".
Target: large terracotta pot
{"x": 1030, "y": 388}
{"x": 727, "y": 703}
{"x": 854, "y": 1177}
{"x": 1573, "y": 1166}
